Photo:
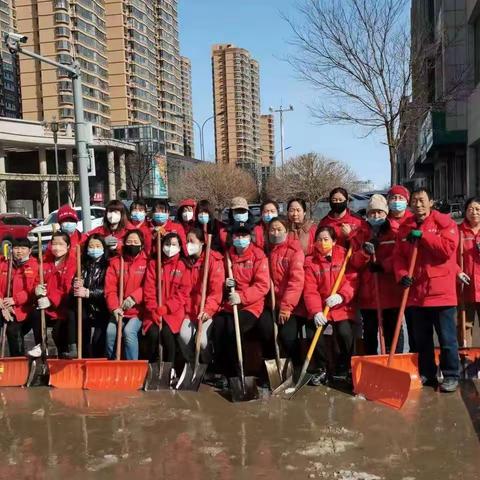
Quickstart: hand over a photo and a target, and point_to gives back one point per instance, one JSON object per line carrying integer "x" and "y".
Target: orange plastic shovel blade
{"x": 120, "y": 375}
{"x": 14, "y": 371}
{"x": 389, "y": 386}
{"x": 68, "y": 373}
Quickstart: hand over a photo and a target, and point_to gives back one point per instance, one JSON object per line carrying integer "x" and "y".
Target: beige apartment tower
{"x": 236, "y": 107}
{"x": 188, "y": 141}
{"x": 267, "y": 140}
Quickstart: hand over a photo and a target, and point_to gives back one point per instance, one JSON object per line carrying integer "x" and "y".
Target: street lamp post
{"x": 200, "y": 129}
{"x": 281, "y": 111}
{"x": 13, "y": 42}
{"x": 54, "y": 127}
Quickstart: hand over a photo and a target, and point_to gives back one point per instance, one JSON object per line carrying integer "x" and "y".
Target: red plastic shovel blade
{"x": 68, "y": 373}
{"x": 120, "y": 375}
{"x": 14, "y": 371}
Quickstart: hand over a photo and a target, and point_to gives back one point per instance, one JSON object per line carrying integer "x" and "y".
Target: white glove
{"x": 464, "y": 278}
{"x": 234, "y": 299}
{"x": 320, "y": 319}
{"x": 118, "y": 312}
{"x": 111, "y": 242}
{"x": 230, "y": 283}
{"x": 334, "y": 300}
{"x": 41, "y": 290}
{"x": 128, "y": 303}
{"x": 43, "y": 303}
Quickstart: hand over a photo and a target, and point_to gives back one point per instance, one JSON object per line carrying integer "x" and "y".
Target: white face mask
{"x": 187, "y": 216}
{"x": 193, "y": 248}
{"x": 114, "y": 217}
{"x": 171, "y": 250}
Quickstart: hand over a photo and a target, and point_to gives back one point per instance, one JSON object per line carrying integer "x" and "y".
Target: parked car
{"x": 13, "y": 225}
{"x": 47, "y": 227}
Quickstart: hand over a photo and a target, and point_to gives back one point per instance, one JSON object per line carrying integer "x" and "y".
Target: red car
{"x": 13, "y": 225}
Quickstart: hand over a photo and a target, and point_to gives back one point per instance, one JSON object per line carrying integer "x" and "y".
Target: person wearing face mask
{"x": 374, "y": 245}
{"x": 398, "y": 197}
{"x": 321, "y": 271}
{"x": 139, "y": 221}
{"x": 54, "y": 296}
{"x": 162, "y": 225}
{"x": 130, "y": 307}
{"x": 340, "y": 218}
{"x": 299, "y": 226}
{"x": 176, "y": 289}
{"x": 91, "y": 289}
{"x": 186, "y": 214}
{"x": 286, "y": 260}
{"x": 216, "y": 276}
{"x": 68, "y": 219}
{"x": 251, "y": 280}
{"x": 17, "y": 308}
{"x": 205, "y": 220}
{"x": 238, "y": 215}
{"x": 115, "y": 227}
{"x": 269, "y": 211}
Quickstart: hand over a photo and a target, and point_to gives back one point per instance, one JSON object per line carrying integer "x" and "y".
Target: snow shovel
{"x": 242, "y": 388}
{"x": 159, "y": 373}
{"x": 388, "y": 379}
{"x": 192, "y": 376}
{"x": 278, "y": 369}
{"x": 71, "y": 373}
{"x": 118, "y": 374}
{"x": 290, "y": 387}
{"x": 13, "y": 370}
{"x": 39, "y": 373}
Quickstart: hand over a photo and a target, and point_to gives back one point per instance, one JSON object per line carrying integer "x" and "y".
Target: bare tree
{"x": 358, "y": 54}
{"x": 310, "y": 176}
{"x": 216, "y": 182}
{"x": 140, "y": 168}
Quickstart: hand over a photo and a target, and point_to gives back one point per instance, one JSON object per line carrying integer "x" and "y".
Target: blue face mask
{"x": 376, "y": 222}
{"x": 203, "y": 218}
{"x": 398, "y": 205}
{"x": 95, "y": 252}
{"x": 268, "y": 217}
{"x": 160, "y": 217}
{"x": 240, "y": 217}
{"x": 241, "y": 242}
{"x": 137, "y": 216}
{"x": 68, "y": 227}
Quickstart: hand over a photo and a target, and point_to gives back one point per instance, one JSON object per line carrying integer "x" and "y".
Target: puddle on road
{"x": 61, "y": 434}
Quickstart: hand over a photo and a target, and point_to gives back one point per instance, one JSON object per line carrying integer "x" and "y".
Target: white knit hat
{"x": 377, "y": 202}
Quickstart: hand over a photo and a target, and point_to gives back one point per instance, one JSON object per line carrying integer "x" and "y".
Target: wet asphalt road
{"x": 322, "y": 433}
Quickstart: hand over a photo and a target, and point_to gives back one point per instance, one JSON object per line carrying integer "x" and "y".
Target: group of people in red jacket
{"x": 284, "y": 268}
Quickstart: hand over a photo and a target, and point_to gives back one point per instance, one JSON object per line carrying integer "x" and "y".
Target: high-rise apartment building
{"x": 188, "y": 142}
{"x": 267, "y": 140}
{"x": 10, "y": 105}
{"x": 64, "y": 31}
{"x": 236, "y": 107}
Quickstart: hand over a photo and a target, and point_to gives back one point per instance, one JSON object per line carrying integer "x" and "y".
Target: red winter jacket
{"x": 24, "y": 281}
{"x": 355, "y": 222}
{"x": 146, "y": 229}
{"x": 133, "y": 280}
{"x": 471, "y": 262}
{"x": 396, "y": 222}
{"x": 286, "y": 269}
{"x": 118, "y": 234}
{"x": 176, "y": 289}
{"x": 390, "y": 291}
{"x": 305, "y": 235}
{"x": 320, "y": 275}
{"x": 216, "y": 279}
{"x": 260, "y": 236}
{"x": 250, "y": 271}
{"x": 169, "y": 227}
{"x": 58, "y": 279}
{"x": 436, "y": 268}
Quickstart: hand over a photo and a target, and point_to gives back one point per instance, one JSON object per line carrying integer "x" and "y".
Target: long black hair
{"x": 101, "y": 239}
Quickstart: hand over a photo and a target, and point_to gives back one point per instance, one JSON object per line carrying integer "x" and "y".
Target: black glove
{"x": 406, "y": 281}
{"x": 375, "y": 267}
{"x": 369, "y": 248}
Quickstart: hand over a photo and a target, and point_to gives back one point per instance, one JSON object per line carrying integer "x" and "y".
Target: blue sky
{"x": 257, "y": 25}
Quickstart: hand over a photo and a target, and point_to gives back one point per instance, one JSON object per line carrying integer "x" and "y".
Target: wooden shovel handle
{"x": 79, "y": 304}
{"x": 119, "y": 317}
{"x": 379, "y": 309}
{"x": 41, "y": 276}
{"x": 463, "y": 312}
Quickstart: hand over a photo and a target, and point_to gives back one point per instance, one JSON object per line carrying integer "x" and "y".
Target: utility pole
{"x": 281, "y": 111}
{"x": 13, "y": 42}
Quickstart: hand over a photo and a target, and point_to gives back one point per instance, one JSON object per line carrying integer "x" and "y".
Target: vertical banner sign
{"x": 160, "y": 179}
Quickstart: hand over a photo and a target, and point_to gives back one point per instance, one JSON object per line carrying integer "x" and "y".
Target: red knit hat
{"x": 399, "y": 190}
{"x": 65, "y": 213}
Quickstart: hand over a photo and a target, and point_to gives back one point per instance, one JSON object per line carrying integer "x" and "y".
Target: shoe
{"x": 429, "y": 382}
{"x": 449, "y": 385}
{"x": 221, "y": 383}
{"x": 35, "y": 352}
{"x": 72, "y": 352}
{"x": 318, "y": 378}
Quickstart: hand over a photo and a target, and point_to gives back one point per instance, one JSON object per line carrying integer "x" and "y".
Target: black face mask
{"x": 132, "y": 250}
{"x": 338, "y": 207}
